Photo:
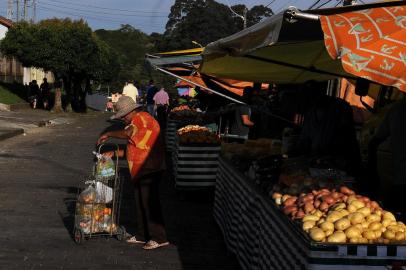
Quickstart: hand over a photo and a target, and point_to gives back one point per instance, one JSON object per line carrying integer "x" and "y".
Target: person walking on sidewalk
{"x": 130, "y": 90}
{"x": 151, "y": 91}
{"x": 46, "y": 93}
{"x": 161, "y": 99}
{"x": 146, "y": 161}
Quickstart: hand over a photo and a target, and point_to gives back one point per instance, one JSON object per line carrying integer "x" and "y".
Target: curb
{"x": 9, "y": 133}
{"x": 14, "y": 107}
{"x": 12, "y": 132}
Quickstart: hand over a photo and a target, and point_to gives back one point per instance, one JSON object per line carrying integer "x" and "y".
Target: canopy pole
{"x": 292, "y": 14}
{"x": 196, "y": 84}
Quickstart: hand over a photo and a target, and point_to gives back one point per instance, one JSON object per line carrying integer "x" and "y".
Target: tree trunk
{"x": 58, "y": 101}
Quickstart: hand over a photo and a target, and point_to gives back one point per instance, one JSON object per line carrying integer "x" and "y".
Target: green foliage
{"x": 63, "y": 46}
{"x": 205, "y": 21}
{"x": 67, "y": 48}
{"x": 131, "y": 46}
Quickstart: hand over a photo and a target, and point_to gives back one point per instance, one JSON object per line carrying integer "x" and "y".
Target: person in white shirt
{"x": 130, "y": 90}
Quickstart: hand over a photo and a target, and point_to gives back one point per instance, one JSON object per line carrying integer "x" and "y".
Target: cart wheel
{"x": 120, "y": 234}
{"x": 78, "y": 236}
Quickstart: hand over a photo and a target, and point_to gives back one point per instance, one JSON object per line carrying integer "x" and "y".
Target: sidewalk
{"x": 13, "y": 123}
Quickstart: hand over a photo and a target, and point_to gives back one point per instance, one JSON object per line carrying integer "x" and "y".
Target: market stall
{"x": 195, "y": 157}
{"x": 278, "y": 213}
{"x": 262, "y": 237}
{"x": 310, "y": 218}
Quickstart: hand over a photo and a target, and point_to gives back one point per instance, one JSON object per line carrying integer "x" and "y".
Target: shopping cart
{"x": 98, "y": 205}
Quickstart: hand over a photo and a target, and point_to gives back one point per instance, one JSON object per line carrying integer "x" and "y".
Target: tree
{"x": 205, "y": 21}
{"x": 67, "y": 48}
{"x": 131, "y": 46}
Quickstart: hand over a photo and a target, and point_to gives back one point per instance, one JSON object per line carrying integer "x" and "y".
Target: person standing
{"x": 46, "y": 93}
{"x": 35, "y": 92}
{"x": 161, "y": 99}
{"x": 328, "y": 131}
{"x": 146, "y": 161}
{"x": 242, "y": 118}
{"x": 393, "y": 127}
{"x": 151, "y": 91}
{"x": 130, "y": 90}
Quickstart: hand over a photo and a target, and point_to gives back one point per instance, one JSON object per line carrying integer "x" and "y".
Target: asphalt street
{"x": 40, "y": 174}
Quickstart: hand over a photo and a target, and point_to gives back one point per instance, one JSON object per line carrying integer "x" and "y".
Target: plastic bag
{"x": 88, "y": 195}
{"x": 105, "y": 167}
{"x": 104, "y": 193}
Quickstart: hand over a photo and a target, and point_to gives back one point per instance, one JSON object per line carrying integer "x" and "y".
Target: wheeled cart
{"x": 98, "y": 205}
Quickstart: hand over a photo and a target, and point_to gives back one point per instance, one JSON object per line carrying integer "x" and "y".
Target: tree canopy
{"x": 64, "y": 47}
{"x": 205, "y": 21}
{"x": 131, "y": 45}
{"x": 67, "y": 48}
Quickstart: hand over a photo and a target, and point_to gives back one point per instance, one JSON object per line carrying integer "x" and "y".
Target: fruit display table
{"x": 262, "y": 237}
{"x": 195, "y": 166}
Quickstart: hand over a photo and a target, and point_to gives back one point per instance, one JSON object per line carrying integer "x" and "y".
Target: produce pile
{"x": 180, "y": 109}
{"x": 195, "y": 134}
{"x": 95, "y": 218}
{"x": 342, "y": 216}
{"x": 93, "y": 215}
{"x": 183, "y": 113}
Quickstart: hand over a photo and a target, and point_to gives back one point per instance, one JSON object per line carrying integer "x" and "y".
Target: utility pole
{"x": 245, "y": 17}
{"x": 25, "y": 10}
{"x": 10, "y": 6}
{"x": 34, "y": 11}
{"x": 18, "y": 10}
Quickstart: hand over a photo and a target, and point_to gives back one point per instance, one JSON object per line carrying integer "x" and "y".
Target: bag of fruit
{"x": 88, "y": 195}
{"x": 105, "y": 167}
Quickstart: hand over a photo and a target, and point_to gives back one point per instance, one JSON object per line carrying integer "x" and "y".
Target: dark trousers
{"x": 161, "y": 115}
{"x": 150, "y": 223}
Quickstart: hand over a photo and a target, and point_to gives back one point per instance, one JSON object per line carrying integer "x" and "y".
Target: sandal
{"x": 151, "y": 244}
{"x": 133, "y": 240}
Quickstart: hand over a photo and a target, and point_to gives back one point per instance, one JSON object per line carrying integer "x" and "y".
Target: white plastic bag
{"x": 104, "y": 193}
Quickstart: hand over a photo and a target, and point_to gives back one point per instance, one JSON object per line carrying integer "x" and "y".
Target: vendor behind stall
{"x": 328, "y": 130}
{"x": 394, "y": 127}
{"x": 242, "y": 121}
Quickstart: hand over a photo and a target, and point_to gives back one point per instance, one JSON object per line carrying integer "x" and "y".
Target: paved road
{"x": 39, "y": 176}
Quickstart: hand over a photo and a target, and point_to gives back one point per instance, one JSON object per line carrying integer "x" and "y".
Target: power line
{"x": 84, "y": 16}
{"x": 325, "y": 3}
{"x": 273, "y": 1}
{"x": 284, "y": 6}
{"x": 107, "y": 8}
{"x": 314, "y": 4}
{"x": 101, "y": 12}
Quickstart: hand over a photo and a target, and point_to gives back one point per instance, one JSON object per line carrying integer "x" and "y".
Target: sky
{"x": 147, "y": 15}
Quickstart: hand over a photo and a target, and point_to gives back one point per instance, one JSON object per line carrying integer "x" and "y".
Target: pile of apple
{"x": 197, "y": 134}
{"x": 342, "y": 217}
{"x": 181, "y": 108}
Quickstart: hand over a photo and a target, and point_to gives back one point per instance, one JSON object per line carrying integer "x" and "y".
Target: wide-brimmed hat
{"x": 124, "y": 106}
